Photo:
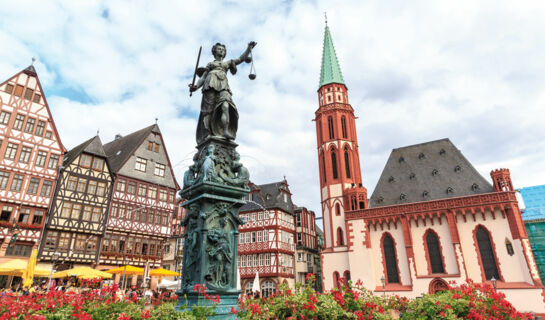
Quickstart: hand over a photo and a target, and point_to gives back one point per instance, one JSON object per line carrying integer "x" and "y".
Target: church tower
{"x": 339, "y": 164}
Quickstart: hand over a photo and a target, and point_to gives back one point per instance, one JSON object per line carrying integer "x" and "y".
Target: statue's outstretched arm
{"x": 245, "y": 55}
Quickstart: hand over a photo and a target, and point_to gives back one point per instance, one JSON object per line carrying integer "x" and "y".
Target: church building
{"x": 432, "y": 218}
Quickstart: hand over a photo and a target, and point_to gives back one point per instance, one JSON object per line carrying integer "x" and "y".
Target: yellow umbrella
{"x": 129, "y": 270}
{"x": 28, "y": 274}
{"x": 82, "y": 272}
{"x": 16, "y": 267}
{"x": 163, "y": 273}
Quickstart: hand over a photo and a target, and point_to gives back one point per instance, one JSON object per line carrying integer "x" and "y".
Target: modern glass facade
{"x": 534, "y": 220}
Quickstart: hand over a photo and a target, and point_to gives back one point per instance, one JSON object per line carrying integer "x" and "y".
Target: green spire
{"x": 331, "y": 71}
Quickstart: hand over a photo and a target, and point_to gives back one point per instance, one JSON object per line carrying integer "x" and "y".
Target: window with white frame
{"x": 159, "y": 170}
{"x": 267, "y": 259}
{"x": 259, "y": 236}
{"x": 140, "y": 164}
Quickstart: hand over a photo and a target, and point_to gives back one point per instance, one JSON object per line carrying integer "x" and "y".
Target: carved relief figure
{"x": 219, "y": 252}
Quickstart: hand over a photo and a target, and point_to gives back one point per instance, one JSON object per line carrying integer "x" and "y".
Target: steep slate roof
{"x": 119, "y": 150}
{"x": 92, "y": 146}
{"x": 269, "y": 196}
{"x": 330, "y": 71}
{"x": 427, "y": 171}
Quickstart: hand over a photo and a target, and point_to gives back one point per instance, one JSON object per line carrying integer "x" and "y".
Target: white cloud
{"x": 416, "y": 71}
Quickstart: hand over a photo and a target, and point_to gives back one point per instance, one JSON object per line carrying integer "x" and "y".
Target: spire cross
{"x": 98, "y": 131}
{"x": 156, "y": 119}
{"x": 325, "y": 15}
{"x": 33, "y": 59}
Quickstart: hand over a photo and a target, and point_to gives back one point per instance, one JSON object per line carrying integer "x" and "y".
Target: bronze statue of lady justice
{"x": 219, "y": 115}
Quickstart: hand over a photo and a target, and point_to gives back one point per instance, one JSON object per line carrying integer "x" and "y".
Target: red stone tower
{"x": 338, "y": 157}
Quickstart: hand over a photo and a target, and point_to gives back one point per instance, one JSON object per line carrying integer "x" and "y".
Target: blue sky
{"x": 416, "y": 71}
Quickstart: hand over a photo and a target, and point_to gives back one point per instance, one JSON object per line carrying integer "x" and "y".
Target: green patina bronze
{"x": 330, "y": 71}
{"x": 214, "y": 186}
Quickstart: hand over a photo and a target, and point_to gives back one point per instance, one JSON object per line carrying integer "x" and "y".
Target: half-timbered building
{"x": 266, "y": 239}
{"x": 143, "y": 200}
{"x": 306, "y": 243}
{"x": 76, "y": 222}
{"x": 30, "y": 152}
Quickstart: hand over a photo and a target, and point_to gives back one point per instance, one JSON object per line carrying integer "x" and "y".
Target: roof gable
{"x": 270, "y": 196}
{"x": 92, "y": 146}
{"x": 424, "y": 172}
{"x": 121, "y": 149}
{"x": 33, "y": 82}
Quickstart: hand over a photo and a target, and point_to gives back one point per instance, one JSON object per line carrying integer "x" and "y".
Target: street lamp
{"x": 494, "y": 282}
{"x": 383, "y": 281}
{"x": 56, "y": 256}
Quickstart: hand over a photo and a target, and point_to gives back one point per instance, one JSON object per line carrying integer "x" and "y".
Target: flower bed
{"x": 468, "y": 301}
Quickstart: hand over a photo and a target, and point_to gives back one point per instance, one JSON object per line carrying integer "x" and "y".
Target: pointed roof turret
{"x": 330, "y": 71}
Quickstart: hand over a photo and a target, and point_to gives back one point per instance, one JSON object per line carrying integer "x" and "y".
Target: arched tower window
{"x": 347, "y": 163}
{"x": 340, "y": 237}
{"x": 330, "y": 126}
{"x": 390, "y": 259}
{"x": 434, "y": 252}
{"x": 334, "y": 165}
{"x": 323, "y": 167}
{"x": 336, "y": 279}
{"x": 343, "y": 127}
{"x": 488, "y": 258}
{"x": 337, "y": 210}
{"x": 346, "y": 277}
{"x": 320, "y": 131}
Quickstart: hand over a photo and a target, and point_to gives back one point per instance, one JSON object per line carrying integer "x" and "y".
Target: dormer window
{"x": 402, "y": 197}
{"x": 442, "y": 152}
{"x": 457, "y": 169}
{"x": 391, "y": 179}
{"x": 379, "y": 200}
{"x": 450, "y": 190}
{"x": 401, "y": 159}
{"x": 425, "y": 194}
{"x": 434, "y": 172}
{"x": 421, "y": 156}
{"x": 475, "y": 187}
{"x": 412, "y": 176}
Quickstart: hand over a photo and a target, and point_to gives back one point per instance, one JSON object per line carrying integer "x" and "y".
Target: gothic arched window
{"x": 488, "y": 258}
{"x": 343, "y": 127}
{"x": 336, "y": 279}
{"x": 340, "y": 237}
{"x": 390, "y": 259}
{"x": 337, "y": 210}
{"x": 347, "y": 163}
{"x": 334, "y": 165}
{"x": 330, "y": 126}
{"x": 346, "y": 277}
{"x": 434, "y": 252}
{"x": 323, "y": 167}
{"x": 320, "y": 131}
